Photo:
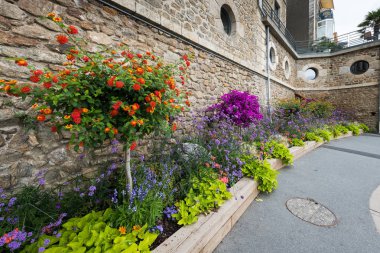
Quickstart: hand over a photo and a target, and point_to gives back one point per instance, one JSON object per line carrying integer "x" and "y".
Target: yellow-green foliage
{"x": 309, "y": 136}
{"x": 325, "y": 134}
{"x": 273, "y": 149}
{"x": 297, "y": 142}
{"x": 261, "y": 171}
{"x": 91, "y": 234}
{"x": 206, "y": 194}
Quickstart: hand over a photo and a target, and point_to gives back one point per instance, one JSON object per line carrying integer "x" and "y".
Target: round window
{"x": 359, "y": 67}
{"x": 272, "y": 55}
{"x": 228, "y": 18}
{"x": 311, "y": 74}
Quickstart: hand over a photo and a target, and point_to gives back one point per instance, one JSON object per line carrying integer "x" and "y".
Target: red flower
{"x": 34, "y": 79}
{"x": 133, "y": 146}
{"x": 136, "y": 87}
{"x": 75, "y": 114}
{"x": 139, "y": 55}
{"x": 187, "y": 63}
{"x": 77, "y": 120}
{"x": 62, "y": 39}
{"x": 152, "y": 104}
{"x": 141, "y": 80}
{"x": 64, "y": 85}
{"x": 38, "y": 72}
{"x": 117, "y": 105}
{"x": 72, "y": 30}
{"x": 174, "y": 127}
{"x": 55, "y": 79}
{"x": 114, "y": 113}
{"x": 41, "y": 117}
{"x": 21, "y": 62}
{"x": 130, "y": 56}
{"x": 119, "y": 84}
{"x": 185, "y": 57}
{"x": 111, "y": 81}
{"x": 25, "y": 89}
{"x": 85, "y": 58}
{"x": 70, "y": 57}
{"x": 53, "y": 129}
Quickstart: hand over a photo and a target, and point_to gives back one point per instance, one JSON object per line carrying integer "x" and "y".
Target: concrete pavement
{"x": 341, "y": 176}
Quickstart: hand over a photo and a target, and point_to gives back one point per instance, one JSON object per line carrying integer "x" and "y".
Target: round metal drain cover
{"x": 311, "y": 211}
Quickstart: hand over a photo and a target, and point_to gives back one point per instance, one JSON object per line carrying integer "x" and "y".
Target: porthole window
{"x": 359, "y": 67}
{"x": 272, "y": 55}
{"x": 228, "y": 19}
{"x": 311, "y": 74}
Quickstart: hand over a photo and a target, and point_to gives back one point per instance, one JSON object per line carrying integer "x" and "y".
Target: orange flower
{"x": 115, "y": 131}
{"x": 34, "y": 106}
{"x": 140, "y": 122}
{"x": 140, "y": 71}
{"x": 133, "y": 123}
{"x": 51, "y": 15}
{"x": 122, "y": 230}
{"x": 149, "y": 69}
{"x": 174, "y": 127}
{"x": 125, "y": 108}
{"x": 41, "y": 117}
{"x": 107, "y": 129}
{"x": 47, "y": 111}
{"x": 62, "y": 39}
{"x": 147, "y": 99}
{"x": 152, "y": 104}
{"x": 69, "y": 126}
{"x": 133, "y": 147}
{"x": 70, "y": 57}
{"x": 7, "y": 88}
{"x": 72, "y": 30}
{"x": 137, "y": 227}
{"x": 131, "y": 113}
{"x": 150, "y": 109}
{"x": 11, "y": 82}
{"x": 21, "y": 62}
{"x": 136, "y": 87}
{"x": 84, "y": 110}
{"x": 67, "y": 117}
{"x": 57, "y": 19}
{"x": 135, "y": 106}
{"x": 25, "y": 89}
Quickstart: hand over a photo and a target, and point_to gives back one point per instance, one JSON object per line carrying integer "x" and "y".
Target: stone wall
{"x": 24, "y": 152}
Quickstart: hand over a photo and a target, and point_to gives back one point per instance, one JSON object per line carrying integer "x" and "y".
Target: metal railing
{"x": 267, "y": 11}
{"x": 352, "y": 39}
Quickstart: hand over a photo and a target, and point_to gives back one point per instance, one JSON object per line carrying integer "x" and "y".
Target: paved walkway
{"x": 340, "y": 175}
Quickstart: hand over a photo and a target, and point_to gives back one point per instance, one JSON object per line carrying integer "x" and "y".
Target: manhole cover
{"x": 311, "y": 211}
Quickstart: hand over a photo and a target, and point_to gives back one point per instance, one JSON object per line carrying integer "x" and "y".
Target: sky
{"x": 349, "y": 13}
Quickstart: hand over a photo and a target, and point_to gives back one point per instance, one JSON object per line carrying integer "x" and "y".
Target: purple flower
{"x": 91, "y": 190}
{"x": 41, "y": 249}
{"x": 46, "y": 242}
{"x": 12, "y": 201}
{"x": 160, "y": 228}
{"x": 41, "y": 181}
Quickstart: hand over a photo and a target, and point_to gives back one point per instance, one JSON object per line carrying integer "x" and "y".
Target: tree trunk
{"x": 128, "y": 171}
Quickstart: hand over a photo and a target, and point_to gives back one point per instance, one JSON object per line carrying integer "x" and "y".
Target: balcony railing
{"x": 352, "y": 39}
{"x": 338, "y": 43}
{"x": 269, "y": 12}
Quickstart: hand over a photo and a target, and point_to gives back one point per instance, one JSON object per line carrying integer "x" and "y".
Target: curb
{"x": 374, "y": 207}
{"x": 205, "y": 235}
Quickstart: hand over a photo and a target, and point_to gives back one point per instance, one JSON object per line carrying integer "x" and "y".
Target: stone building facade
{"x": 170, "y": 28}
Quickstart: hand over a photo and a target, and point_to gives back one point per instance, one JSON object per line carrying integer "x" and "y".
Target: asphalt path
{"x": 340, "y": 175}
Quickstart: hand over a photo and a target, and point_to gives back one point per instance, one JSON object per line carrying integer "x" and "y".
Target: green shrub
{"x": 341, "y": 129}
{"x": 364, "y": 127}
{"x": 273, "y": 149}
{"x": 325, "y": 134}
{"x": 290, "y": 106}
{"x": 297, "y": 142}
{"x": 206, "y": 194}
{"x": 309, "y": 136}
{"x": 354, "y": 128}
{"x": 319, "y": 109}
{"x": 261, "y": 172}
{"x": 91, "y": 233}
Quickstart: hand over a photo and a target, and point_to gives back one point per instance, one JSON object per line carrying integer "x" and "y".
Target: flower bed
{"x": 122, "y": 96}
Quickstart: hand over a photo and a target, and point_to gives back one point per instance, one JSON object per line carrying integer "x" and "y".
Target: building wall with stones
{"x": 169, "y": 28}
{"x": 358, "y": 94}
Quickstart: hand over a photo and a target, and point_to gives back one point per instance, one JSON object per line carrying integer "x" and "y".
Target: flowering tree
{"x": 112, "y": 94}
{"x": 240, "y": 107}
